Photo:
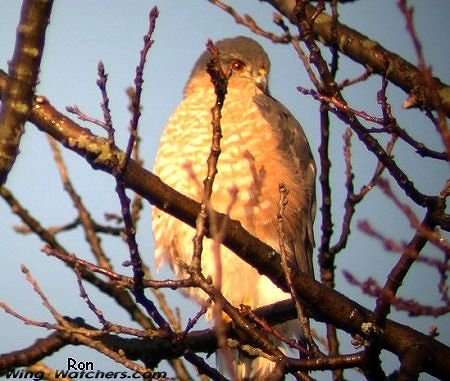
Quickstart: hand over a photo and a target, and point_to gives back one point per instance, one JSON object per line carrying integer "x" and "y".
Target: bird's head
{"x": 242, "y": 59}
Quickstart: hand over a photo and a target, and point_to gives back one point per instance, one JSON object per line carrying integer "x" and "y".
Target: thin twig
{"x": 220, "y": 82}
{"x": 427, "y": 79}
{"x": 250, "y": 23}
{"x": 86, "y": 220}
{"x": 371, "y": 287}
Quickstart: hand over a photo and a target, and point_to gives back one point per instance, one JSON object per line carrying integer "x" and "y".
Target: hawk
{"x": 263, "y": 145}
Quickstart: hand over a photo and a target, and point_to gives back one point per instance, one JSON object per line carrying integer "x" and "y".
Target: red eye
{"x": 237, "y": 66}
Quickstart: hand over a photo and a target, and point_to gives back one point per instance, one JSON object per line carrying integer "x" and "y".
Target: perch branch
{"x": 323, "y": 303}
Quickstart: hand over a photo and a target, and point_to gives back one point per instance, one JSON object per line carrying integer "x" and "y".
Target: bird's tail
{"x": 246, "y": 367}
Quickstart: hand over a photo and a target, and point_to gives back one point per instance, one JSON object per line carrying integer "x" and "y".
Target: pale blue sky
{"x": 83, "y": 32}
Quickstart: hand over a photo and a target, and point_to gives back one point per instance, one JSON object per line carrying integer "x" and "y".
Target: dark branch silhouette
{"x": 161, "y": 334}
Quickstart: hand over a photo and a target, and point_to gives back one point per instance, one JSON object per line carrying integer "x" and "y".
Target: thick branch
{"x": 324, "y": 304}
{"x": 32, "y": 354}
{"x": 398, "y": 338}
{"x": 23, "y": 74}
{"x": 371, "y": 54}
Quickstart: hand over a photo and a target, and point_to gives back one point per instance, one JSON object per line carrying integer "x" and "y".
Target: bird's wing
{"x": 295, "y": 147}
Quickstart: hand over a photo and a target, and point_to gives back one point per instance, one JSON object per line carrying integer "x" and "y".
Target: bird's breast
{"x": 250, "y": 159}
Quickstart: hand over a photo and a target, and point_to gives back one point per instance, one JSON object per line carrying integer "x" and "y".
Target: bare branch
{"x": 84, "y": 215}
{"x": 250, "y": 23}
{"x": 35, "y": 352}
{"x": 18, "y": 94}
{"x": 371, "y": 54}
{"x": 322, "y": 302}
{"x": 412, "y": 307}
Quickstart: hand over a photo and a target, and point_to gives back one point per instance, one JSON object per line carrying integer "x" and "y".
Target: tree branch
{"x": 23, "y": 75}
{"x": 371, "y": 54}
{"x": 324, "y": 304}
{"x": 32, "y": 354}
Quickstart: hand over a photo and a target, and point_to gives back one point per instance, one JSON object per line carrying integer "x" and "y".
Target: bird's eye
{"x": 237, "y": 65}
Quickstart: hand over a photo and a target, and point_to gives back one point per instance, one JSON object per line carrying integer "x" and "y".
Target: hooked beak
{"x": 262, "y": 80}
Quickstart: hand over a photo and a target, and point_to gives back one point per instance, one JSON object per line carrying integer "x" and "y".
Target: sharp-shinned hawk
{"x": 263, "y": 145}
